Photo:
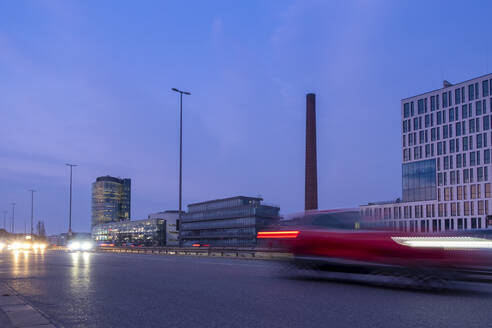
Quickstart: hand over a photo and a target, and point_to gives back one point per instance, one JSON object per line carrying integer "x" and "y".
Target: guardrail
{"x": 252, "y": 253}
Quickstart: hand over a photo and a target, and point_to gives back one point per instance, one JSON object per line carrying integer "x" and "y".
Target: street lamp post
{"x": 181, "y": 93}
{"x": 5, "y": 220}
{"x": 70, "y": 209}
{"x": 13, "y": 218}
{"x": 32, "y": 209}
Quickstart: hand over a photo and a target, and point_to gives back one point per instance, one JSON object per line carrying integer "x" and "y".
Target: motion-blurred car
{"x": 80, "y": 245}
{"x": 340, "y": 241}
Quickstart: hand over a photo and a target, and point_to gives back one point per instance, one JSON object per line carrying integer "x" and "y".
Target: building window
{"x": 406, "y": 110}
{"x": 471, "y": 126}
{"x": 485, "y": 88}
{"x": 473, "y": 191}
{"x": 471, "y": 92}
{"x": 481, "y": 208}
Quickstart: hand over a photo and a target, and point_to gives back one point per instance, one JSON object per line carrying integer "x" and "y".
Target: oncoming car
{"x": 80, "y": 245}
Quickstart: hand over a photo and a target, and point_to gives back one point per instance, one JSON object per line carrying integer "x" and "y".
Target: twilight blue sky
{"x": 89, "y": 82}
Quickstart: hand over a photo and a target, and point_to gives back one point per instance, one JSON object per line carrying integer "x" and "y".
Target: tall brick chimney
{"x": 311, "y": 189}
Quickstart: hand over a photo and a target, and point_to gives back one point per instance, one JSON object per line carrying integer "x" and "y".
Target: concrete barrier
{"x": 244, "y": 253}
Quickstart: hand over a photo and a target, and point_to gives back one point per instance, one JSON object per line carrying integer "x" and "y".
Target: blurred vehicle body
{"x": 342, "y": 241}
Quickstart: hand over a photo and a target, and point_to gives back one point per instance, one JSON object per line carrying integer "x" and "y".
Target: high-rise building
{"x": 111, "y": 199}
{"x": 228, "y": 222}
{"x": 446, "y": 145}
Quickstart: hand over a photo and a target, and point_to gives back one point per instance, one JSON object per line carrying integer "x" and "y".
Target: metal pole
{"x": 32, "y": 209}
{"x": 13, "y": 218}
{"x": 180, "y": 149}
{"x": 180, "y": 145}
{"x": 5, "y": 220}
{"x": 70, "y": 209}
{"x": 70, "y": 212}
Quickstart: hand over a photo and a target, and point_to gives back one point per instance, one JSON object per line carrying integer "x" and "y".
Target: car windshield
{"x": 349, "y": 220}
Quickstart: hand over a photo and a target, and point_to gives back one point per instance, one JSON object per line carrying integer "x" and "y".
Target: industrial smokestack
{"x": 311, "y": 189}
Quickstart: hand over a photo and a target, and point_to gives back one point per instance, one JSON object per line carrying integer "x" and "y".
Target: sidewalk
{"x": 15, "y": 312}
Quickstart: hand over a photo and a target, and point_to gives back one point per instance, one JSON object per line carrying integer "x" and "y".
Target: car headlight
{"x": 14, "y": 246}
{"x": 444, "y": 242}
{"x": 86, "y": 245}
{"x": 74, "y": 245}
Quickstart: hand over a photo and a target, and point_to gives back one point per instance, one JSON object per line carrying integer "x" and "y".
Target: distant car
{"x": 106, "y": 245}
{"x": 339, "y": 241}
{"x": 200, "y": 245}
{"x": 80, "y": 245}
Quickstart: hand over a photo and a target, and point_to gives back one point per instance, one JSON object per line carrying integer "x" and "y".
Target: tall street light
{"x": 32, "y": 209}
{"x": 13, "y": 218}
{"x": 181, "y": 93}
{"x": 5, "y": 220}
{"x": 70, "y": 210}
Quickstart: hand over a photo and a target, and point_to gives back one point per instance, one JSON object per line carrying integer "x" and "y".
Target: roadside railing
{"x": 252, "y": 253}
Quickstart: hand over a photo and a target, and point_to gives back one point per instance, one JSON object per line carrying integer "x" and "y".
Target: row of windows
{"x": 468, "y": 176}
{"x": 213, "y": 224}
{"x": 218, "y": 232}
{"x": 447, "y": 98}
{"x": 437, "y": 225}
{"x": 446, "y": 116}
{"x": 462, "y": 194}
{"x": 460, "y": 129}
{"x": 468, "y": 208}
{"x": 451, "y": 146}
{"x": 480, "y": 207}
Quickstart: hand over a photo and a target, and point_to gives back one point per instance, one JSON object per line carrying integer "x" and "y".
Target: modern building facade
{"x": 149, "y": 232}
{"x": 159, "y": 229}
{"x": 228, "y": 222}
{"x": 446, "y": 145}
{"x": 171, "y": 223}
{"x": 111, "y": 200}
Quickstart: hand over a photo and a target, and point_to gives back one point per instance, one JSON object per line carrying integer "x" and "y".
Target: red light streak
{"x": 277, "y": 234}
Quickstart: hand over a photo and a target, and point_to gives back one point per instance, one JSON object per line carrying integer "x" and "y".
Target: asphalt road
{"x": 131, "y": 290}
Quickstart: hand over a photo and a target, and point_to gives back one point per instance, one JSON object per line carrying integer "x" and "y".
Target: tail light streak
{"x": 277, "y": 234}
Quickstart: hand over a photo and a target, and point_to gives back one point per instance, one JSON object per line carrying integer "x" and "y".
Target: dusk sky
{"x": 89, "y": 82}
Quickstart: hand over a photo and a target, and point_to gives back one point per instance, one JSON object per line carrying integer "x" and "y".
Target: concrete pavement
{"x": 16, "y": 312}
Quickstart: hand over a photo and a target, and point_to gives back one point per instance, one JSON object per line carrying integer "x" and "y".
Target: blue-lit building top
{"x": 111, "y": 200}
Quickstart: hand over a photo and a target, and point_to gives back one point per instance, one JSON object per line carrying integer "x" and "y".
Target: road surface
{"x": 131, "y": 290}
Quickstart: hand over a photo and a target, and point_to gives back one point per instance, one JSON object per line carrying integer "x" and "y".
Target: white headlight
{"x": 86, "y": 245}
{"x": 74, "y": 246}
{"x": 444, "y": 242}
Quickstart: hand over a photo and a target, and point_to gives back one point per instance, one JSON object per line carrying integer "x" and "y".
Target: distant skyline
{"x": 90, "y": 83}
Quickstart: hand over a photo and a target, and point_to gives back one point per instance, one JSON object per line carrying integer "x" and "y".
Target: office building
{"x": 171, "y": 225}
{"x": 111, "y": 200}
{"x": 228, "y": 222}
{"x": 159, "y": 229}
{"x": 446, "y": 144}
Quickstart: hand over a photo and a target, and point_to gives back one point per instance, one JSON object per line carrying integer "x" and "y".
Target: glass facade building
{"x": 446, "y": 153}
{"x": 150, "y": 232}
{"x": 230, "y": 222}
{"x": 111, "y": 200}
{"x": 419, "y": 180}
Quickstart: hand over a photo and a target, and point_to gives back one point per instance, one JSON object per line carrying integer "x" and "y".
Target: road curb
{"x": 20, "y": 313}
